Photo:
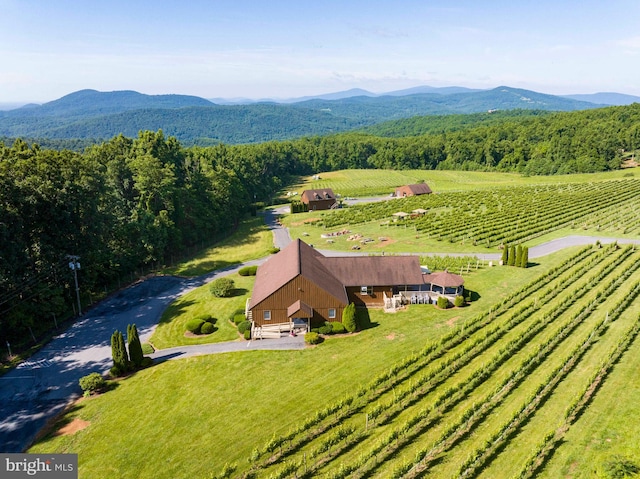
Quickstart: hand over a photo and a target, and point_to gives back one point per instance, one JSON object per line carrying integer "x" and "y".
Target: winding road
{"x": 42, "y": 386}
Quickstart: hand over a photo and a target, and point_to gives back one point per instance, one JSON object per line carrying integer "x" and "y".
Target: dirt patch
{"x": 309, "y": 220}
{"x": 73, "y": 427}
{"x": 391, "y": 336}
{"x": 452, "y": 321}
{"x": 385, "y": 243}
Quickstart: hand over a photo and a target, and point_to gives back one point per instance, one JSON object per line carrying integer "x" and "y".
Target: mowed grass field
{"x": 468, "y": 392}
{"x": 364, "y": 183}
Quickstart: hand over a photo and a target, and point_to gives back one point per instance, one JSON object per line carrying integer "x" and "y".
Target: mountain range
{"x": 102, "y": 115}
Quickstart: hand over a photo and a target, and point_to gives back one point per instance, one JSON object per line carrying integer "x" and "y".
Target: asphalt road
{"x": 41, "y": 387}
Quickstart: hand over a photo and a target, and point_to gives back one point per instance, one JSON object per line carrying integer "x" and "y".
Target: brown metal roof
{"x": 317, "y": 195}
{"x": 300, "y": 306}
{"x": 444, "y": 279}
{"x": 417, "y": 189}
{"x": 375, "y": 270}
{"x": 298, "y": 258}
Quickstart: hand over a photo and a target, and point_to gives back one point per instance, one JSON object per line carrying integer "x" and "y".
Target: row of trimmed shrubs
{"x": 240, "y": 320}
{"x": 202, "y": 325}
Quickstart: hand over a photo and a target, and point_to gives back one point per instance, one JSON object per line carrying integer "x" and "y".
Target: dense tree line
{"x": 559, "y": 143}
{"x": 121, "y": 206}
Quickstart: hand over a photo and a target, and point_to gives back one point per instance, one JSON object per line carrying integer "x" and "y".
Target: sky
{"x": 290, "y": 48}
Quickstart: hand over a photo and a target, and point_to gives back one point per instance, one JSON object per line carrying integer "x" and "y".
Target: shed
{"x": 412, "y": 190}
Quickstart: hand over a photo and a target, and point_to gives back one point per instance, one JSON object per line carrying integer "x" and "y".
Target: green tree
{"x": 505, "y": 254}
{"x": 524, "y": 261}
{"x": 119, "y": 354}
{"x": 518, "y": 260}
{"x": 511, "y": 261}
{"x": 349, "y": 318}
{"x": 135, "y": 346}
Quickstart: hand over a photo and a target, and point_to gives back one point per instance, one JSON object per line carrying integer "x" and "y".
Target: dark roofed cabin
{"x": 322, "y": 199}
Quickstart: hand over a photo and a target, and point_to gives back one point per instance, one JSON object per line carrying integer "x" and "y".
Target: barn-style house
{"x": 301, "y": 286}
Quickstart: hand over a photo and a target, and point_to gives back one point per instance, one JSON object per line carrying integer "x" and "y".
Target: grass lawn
{"x": 383, "y": 182}
{"x": 252, "y": 240}
{"x": 171, "y": 329}
{"x": 187, "y": 418}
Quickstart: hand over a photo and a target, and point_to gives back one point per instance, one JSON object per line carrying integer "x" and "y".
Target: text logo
{"x": 46, "y": 466}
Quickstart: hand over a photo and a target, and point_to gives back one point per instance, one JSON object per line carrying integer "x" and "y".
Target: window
{"x": 363, "y": 290}
{"x": 266, "y": 315}
{"x": 366, "y": 290}
{"x": 332, "y": 313}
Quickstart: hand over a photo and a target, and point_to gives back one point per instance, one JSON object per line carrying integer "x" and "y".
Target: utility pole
{"x": 75, "y": 266}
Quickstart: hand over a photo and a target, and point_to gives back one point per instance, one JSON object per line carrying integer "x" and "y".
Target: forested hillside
{"x": 193, "y": 120}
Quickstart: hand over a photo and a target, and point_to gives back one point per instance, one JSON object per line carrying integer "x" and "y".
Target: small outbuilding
{"x": 321, "y": 199}
{"x": 412, "y": 190}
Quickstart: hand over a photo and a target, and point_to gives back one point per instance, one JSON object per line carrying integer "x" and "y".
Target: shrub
{"x": 247, "y": 334}
{"x": 119, "y": 354}
{"x": 274, "y": 250}
{"x": 443, "y": 303}
{"x": 93, "y": 382}
{"x": 207, "y": 328}
{"x": 459, "y": 301}
{"x": 312, "y": 338}
{"x": 194, "y": 325}
{"x": 135, "y": 347}
{"x": 244, "y": 326}
{"x": 349, "y": 318}
{"x": 238, "y": 318}
{"x": 326, "y": 329}
{"x": 338, "y": 328}
{"x": 222, "y": 287}
{"x": 248, "y": 271}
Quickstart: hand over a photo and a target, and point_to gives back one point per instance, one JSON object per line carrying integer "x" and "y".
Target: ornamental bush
{"x": 247, "y": 334}
{"x": 207, "y": 328}
{"x": 244, "y": 326}
{"x": 222, "y": 287}
{"x": 93, "y": 382}
{"x": 349, "y": 318}
{"x": 459, "y": 301}
{"x": 443, "y": 303}
{"x": 312, "y": 338}
{"x": 135, "y": 347}
{"x": 326, "y": 329}
{"x": 248, "y": 271}
{"x": 238, "y": 318}
{"x": 194, "y": 325}
{"x": 338, "y": 328}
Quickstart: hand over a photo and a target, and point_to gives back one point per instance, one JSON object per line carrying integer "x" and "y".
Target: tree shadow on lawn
{"x": 174, "y": 310}
{"x": 238, "y": 292}
{"x": 363, "y": 319}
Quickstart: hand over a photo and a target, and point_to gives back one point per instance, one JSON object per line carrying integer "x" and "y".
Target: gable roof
{"x": 317, "y": 195}
{"x": 417, "y": 189}
{"x": 375, "y": 270}
{"x": 298, "y": 258}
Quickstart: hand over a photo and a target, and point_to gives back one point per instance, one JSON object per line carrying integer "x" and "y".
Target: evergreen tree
{"x": 511, "y": 261}
{"x": 524, "y": 261}
{"x": 119, "y": 353}
{"x": 349, "y": 318}
{"x": 505, "y": 254}
{"x": 518, "y": 256}
{"x": 135, "y": 347}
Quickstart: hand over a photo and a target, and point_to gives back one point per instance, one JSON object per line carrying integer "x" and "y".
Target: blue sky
{"x": 284, "y": 49}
